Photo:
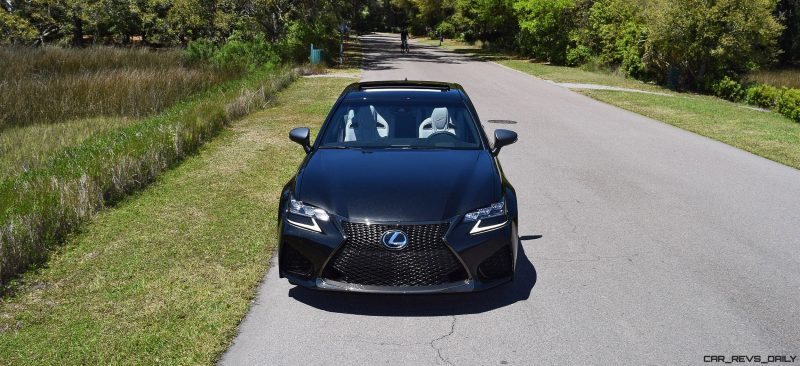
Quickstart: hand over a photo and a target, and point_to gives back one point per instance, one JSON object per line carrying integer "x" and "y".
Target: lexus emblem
{"x": 394, "y": 239}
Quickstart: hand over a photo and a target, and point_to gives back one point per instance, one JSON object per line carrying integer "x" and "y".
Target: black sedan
{"x": 401, "y": 192}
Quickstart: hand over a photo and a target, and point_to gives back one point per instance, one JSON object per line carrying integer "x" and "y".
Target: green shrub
{"x": 201, "y": 50}
{"x": 785, "y": 101}
{"x": 578, "y": 55}
{"x": 238, "y": 53}
{"x": 788, "y": 104}
{"x": 468, "y": 36}
{"x": 243, "y": 54}
{"x": 729, "y": 89}
{"x": 762, "y": 95}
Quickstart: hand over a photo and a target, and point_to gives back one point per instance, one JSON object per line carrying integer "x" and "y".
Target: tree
{"x": 692, "y": 43}
{"x": 789, "y": 41}
{"x": 616, "y": 33}
{"x": 15, "y": 29}
{"x": 486, "y": 20}
{"x": 546, "y": 28}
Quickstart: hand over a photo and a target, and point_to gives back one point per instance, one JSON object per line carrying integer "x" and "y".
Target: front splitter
{"x": 461, "y": 286}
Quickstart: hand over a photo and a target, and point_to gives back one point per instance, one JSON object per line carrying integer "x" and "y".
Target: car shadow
{"x": 427, "y": 305}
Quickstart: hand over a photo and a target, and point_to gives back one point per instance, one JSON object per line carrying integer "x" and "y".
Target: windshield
{"x": 401, "y": 124}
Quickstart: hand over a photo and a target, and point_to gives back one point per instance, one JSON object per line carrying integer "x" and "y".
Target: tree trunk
{"x": 77, "y": 29}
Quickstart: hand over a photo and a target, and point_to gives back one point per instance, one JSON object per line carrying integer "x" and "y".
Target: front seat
{"x": 438, "y": 121}
{"x": 365, "y": 114}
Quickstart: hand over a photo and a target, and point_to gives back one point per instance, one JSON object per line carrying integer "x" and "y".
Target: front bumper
{"x": 306, "y": 258}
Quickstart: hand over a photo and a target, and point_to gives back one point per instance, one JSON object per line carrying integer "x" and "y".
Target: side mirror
{"x": 503, "y": 138}
{"x": 301, "y": 135}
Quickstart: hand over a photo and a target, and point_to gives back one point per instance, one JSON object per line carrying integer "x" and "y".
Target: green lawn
{"x": 767, "y": 134}
{"x": 166, "y": 275}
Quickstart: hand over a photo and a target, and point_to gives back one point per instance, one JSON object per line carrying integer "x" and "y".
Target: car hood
{"x": 398, "y": 184}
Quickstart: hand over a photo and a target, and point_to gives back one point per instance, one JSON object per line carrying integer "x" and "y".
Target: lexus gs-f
{"x": 401, "y": 192}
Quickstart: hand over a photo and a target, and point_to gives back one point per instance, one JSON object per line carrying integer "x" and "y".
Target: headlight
{"x": 305, "y": 216}
{"x": 495, "y": 210}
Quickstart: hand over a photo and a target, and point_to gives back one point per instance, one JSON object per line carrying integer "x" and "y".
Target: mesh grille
{"x": 425, "y": 261}
{"x": 498, "y": 265}
{"x": 295, "y": 263}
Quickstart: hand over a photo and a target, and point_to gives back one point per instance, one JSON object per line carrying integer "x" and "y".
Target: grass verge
{"x": 767, "y": 134}
{"x": 39, "y": 207}
{"x": 166, "y": 276}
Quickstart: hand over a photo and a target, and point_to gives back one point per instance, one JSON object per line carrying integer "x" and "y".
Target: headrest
{"x": 439, "y": 119}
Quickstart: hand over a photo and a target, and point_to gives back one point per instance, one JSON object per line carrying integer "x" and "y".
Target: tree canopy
{"x": 688, "y": 42}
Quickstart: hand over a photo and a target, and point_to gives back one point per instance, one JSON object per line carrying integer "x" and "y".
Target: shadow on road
{"x": 382, "y": 52}
{"x": 427, "y": 305}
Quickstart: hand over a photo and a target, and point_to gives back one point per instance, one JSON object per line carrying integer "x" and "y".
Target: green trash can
{"x": 316, "y": 55}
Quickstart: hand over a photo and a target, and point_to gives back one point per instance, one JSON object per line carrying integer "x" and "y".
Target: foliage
{"x": 546, "y": 28}
{"x": 762, "y": 95}
{"x": 15, "y": 29}
{"x": 578, "y": 54}
{"x": 446, "y": 29}
{"x": 239, "y": 54}
{"x": 615, "y": 35}
{"x": 788, "y": 12}
{"x": 490, "y": 21}
{"x": 729, "y": 89}
{"x": 702, "y": 41}
{"x": 785, "y": 101}
{"x": 248, "y": 24}
{"x": 788, "y": 103}
{"x": 199, "y": 51}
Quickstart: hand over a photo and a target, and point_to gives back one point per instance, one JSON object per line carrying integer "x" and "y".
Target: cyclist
{"x": 404, "y": 41}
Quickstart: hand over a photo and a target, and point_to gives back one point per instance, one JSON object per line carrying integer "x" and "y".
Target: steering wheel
{"x": 441, "y": 133}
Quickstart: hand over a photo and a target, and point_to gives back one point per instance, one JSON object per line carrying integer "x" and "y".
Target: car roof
{"x": 405, "y": 89}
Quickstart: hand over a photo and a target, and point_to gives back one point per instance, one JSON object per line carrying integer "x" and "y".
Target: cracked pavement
{"x": 642, "y": 244}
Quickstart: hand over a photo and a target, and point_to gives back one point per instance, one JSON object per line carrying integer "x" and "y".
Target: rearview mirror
{"x": 301, "y": 135}
{"x": 503, "y": 138}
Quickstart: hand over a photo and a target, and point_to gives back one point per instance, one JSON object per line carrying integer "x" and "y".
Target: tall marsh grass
{"x": 39, "y": 207}
{"x": 789, "y": 78}
{"x": 26, "y": 148}
{"x": 52, "y": 85}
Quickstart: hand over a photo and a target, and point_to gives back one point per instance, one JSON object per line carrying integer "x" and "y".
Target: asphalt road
{"x": 643, "y": 244}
